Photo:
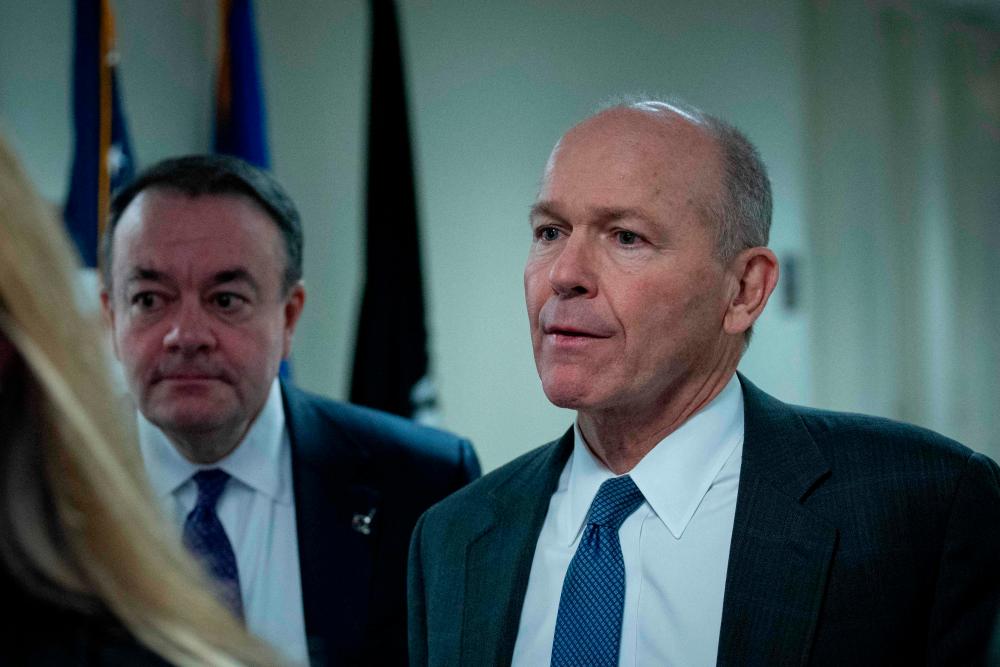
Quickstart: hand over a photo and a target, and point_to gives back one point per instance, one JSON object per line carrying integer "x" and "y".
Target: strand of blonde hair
{"x": 118, "y": 547}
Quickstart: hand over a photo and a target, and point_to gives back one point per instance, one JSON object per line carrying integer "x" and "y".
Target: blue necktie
{"x": 206, "y": 538}
{"x": 589, "y": 624}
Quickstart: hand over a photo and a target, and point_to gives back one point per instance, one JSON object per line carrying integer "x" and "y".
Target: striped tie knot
{"x": 211, "y": 484}
{"x": 617, "y": 498}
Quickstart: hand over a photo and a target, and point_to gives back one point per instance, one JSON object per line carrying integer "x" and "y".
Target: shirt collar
{"x": 254, "y": 462}
{"x": 675, "y": 475}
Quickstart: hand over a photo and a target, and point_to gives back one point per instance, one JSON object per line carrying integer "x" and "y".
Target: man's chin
{"x": 191, "y": 416}
{"x": 188, "y": 424}
{"x": 569, "y": 395}
{"x": 181, "y": 387}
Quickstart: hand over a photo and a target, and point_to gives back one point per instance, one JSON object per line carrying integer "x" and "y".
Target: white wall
{"x": 166, "y": 81}
{"x": 904, "y": 159}
{"x": 492, "y": 87}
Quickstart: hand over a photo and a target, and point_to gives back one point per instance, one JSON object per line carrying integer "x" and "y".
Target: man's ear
{"x": 294, "y": 303}
{"x": 755, "y": 272}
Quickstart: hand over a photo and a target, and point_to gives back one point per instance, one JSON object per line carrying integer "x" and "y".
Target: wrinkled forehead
{"x": 164, "y": 228}
{"x": 653, "y": 148}
{"x": 165, "y": 204}
{"x": 168, "y": 212}
{"x": 651, "y": 132}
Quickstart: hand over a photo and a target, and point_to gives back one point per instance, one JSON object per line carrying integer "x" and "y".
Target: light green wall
{"x": 492, "y": 87}
{"x": 903, "y": 164}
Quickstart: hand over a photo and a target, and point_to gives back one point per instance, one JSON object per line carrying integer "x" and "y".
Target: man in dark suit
{"x": 689, "y": 518}
{"x": 300, "y": 507}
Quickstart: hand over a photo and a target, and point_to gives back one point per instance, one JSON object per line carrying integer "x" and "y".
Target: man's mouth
{"x": 187, "y": 376}
{"x": 571, "y": 334}
{"x": 572, "y": 323}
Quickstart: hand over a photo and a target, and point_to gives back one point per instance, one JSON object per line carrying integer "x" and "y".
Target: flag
{"x": 240, "y": 119}
{"x": 102, "y": 153}
{"x": 390, "y": 358}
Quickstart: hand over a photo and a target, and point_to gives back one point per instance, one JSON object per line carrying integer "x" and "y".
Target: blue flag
{"x": 102, "y": 153}
{"x": 240, "y": 119}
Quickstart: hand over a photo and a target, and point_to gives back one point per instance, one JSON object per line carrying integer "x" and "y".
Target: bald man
{"x": 688, "y": 518}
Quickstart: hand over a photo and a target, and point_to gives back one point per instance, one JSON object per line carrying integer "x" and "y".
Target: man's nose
{"x": 190, "y": 331}
{"x": 573, "y": 272}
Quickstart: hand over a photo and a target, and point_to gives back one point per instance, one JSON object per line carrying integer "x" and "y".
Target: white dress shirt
{"x": 257, "y": 510}
{"x": 675, "y": 546}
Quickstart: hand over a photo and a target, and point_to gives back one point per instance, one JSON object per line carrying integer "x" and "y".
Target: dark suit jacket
{"x": 350, "y": 464}
{"x": 856, "y": 541}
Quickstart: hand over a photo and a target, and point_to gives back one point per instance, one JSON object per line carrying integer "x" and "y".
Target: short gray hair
{"x": 743, "y": 208}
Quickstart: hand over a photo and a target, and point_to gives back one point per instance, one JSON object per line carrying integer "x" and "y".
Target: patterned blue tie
{"x": 589, "y": 624}
{"x": 206, "y": 538}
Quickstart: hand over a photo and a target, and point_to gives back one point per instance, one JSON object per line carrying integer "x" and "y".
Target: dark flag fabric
{"x": 102, "y": 153}
{"x": 390, "y": 359}
{"x": 240, "y": 119}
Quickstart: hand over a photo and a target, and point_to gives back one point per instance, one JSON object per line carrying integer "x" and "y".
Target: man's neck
{"x": 621, "y": 437}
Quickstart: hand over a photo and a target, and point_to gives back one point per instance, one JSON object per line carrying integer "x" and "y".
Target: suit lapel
{"x": 498, "y": 562}
{"x": 778, "y": 564}
{"x": 335, "y": 551}
{"x": 780, "y": 556}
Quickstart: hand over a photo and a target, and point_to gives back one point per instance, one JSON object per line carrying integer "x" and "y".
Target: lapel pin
{"x": 362, "y": 523}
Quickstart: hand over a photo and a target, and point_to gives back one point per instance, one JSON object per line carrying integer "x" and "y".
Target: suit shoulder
{"x": 849, "y": 434}
{"x": 826, "y": 424}
{"x": 375, "y": 432}
{"x": 858, "y": 438}
{"x": 479, "y": 492}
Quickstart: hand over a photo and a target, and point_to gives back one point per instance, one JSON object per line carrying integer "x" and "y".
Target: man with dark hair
{"x": 688, "y": 518}
{"x": 195, "y": 175}
{"x": 300, "y": 507}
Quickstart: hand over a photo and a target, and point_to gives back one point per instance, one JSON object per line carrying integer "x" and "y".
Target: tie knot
{"x": 210, "y": 484}
{"x": 617, "y": 498}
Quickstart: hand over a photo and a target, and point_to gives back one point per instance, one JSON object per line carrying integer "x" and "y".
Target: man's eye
{"x": 228, "y": 301}
{"x": 146, "y": 300}
{"x": 626, "y": 237}
{"x": 547, "y": 233}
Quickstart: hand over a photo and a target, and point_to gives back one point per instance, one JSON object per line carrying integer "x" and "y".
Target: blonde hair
{"x": 76, "y": 514}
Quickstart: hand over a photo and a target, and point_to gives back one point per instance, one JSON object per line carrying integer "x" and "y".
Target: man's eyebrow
{"x": 614, "y": 213}
{"x": 543, "y": 209}
{"x": 234, "y": 275}
{"x": 601, "y": 214}
{"x": 140, "y": 273}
